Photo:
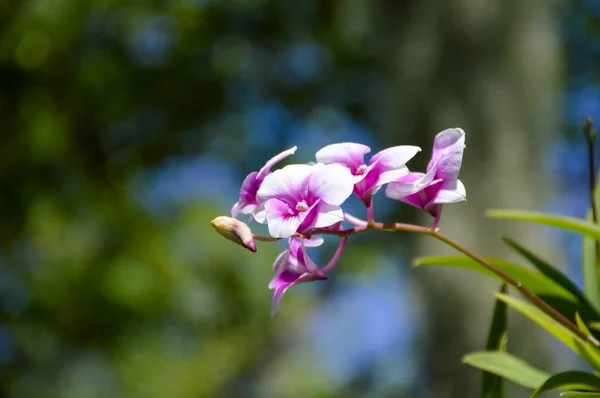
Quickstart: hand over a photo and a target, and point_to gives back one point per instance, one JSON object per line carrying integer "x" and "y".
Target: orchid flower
{"x": 384, "y": 166}
{"x": 293, "y": 267}
{"x": 299, "y": 197}
{"x": 247, "y": 200}
{"x": 440, "y": 185}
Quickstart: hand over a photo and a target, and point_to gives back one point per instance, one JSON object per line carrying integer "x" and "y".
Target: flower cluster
{"x": 299, "y": 200}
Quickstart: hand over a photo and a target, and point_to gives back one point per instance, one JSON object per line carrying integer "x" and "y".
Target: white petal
{"x": 332, "y": 183}
{"x": 409, "y": 184}
{"x": 328, "y": 215}
{"x": 259, "y": 214}
{"x": 314, "y": 241}
{"x": 454, "y": 194}
{"x": 266, "y": 169}
{"x": 395, "y": 157}
{"x": 281, "y": 222}
{"x": 347, "y": 153}
{"x": 288, "y": 182}
{"x": 391, "y": 175}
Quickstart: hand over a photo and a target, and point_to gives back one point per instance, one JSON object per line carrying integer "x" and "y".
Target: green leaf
{"x": 545, "y": 268}
{"x": 535, "y": 281}
{"x": 581, "y": 325}
{"x": 590, "y": 274}
{"x": 578, "y": 225}
{"x": 572, "y": 380}
{"x": 492, "y": 385}
{"x": 583, "y": 348}
{"x": 576, "y": 394}
{"x": 589, "y": 266}
{"x": 542, "y": 319}
{"x": 507, "y": 366}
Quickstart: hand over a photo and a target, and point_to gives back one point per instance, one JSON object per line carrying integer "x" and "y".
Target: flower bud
{"x": 234, "y": 230}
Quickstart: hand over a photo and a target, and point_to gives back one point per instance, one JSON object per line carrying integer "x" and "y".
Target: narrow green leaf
{"x": 578, "y": 225}
{"x": 492, "y": 385}
{"x": 570, "y": 339}
{"x": 581, "y": 325}
{"x": 595, "y": 325}
{"x": 535, "y": 281}
{"x": 576, "y": 394}
{"x": 507, "y": 366}
{"x": 590, "y": 271}
{"x": 589, "y": 353}
{"x": 545, "y": 268}
{"x": 542, "y": 319}
{"x": 573, "y": 380}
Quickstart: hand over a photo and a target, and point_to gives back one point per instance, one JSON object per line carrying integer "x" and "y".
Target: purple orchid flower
{"x": 247, "y": 201}
{"x": 440, "y": 185}
{"x": 299, "y": 197}
{"x": 293, "y": 267}
{"x": 384, "y": 167}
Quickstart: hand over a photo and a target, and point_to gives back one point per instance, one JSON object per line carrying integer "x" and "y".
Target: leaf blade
{"x": 533, "y": 280}
{"x": 590, "y": 272}
{"x": 545, "y": 268}
{"x": 577, "y": 225}
{"x": 566, "y": 336}
{"x": 493, "y": 385}
{"x": 507, "y": 366}
{"x": 571, "y": 380}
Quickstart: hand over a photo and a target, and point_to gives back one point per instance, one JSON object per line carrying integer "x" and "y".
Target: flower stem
{"x": 544, "y": 306}
{"x": 264, "y": 238}
{"x": 354, "y": 220}
{"x": 539, "y": 302}
{"x": 336, "y": 255}
{"x": 370, "y": 213}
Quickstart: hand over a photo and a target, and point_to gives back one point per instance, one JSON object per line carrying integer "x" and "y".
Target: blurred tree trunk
{"x": 489, "y": 67}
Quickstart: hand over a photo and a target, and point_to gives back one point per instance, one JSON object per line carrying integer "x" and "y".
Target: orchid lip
{"x": 302, "y": 206}
{"x": 361, "y": 169}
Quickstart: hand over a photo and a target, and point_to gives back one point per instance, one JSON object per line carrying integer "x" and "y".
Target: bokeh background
{"x": 125, "y": 127}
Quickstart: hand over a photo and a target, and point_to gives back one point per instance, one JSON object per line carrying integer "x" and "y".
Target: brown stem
{"x": 540, "y": 303}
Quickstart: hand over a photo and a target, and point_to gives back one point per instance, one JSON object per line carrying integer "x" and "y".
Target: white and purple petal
{"x": 328, "y": 215}
{"x": 453, "y": 192}
{"x": 282, "y": 220}
{"x": 349, "y": 154}
{"x": 448, "y": 149}
{"x": 332, "y": 183}
{"x": 266, "y": 169}
{"x": 394, "y": 157}
{"x": 288, "y": 183}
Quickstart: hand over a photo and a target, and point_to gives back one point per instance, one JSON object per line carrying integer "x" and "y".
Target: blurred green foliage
{"x": 102, "y": 297}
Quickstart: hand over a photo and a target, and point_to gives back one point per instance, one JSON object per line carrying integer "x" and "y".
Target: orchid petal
{"x": 247, "y": 197}
{"x": 332, "y": 183}
{"x": 452, "y": 194}
{"x": 328, "y": 215}
{"x": 282, "y": 220}
{"x": 314, "y": 241}
{"x": 448, "y": 149}
{"x": 259, "y": 214}
{"x": 266, "y": 169}
{"x": 349, "y": 154}
{"x": 235, "y": 209}
{"x": 286, "y": 183}
{"x": 280, "y": 262}
{"x": 391, "y": 175}
{"x": 410, "y": 183}
{"x": 394, "y": 157}
{"x": 418, "y": 199}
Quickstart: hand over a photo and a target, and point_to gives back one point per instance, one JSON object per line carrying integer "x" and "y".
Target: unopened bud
{"x": 234, "y": 230}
